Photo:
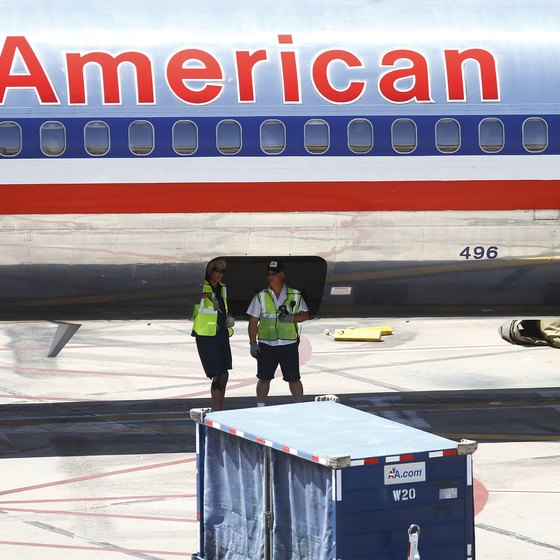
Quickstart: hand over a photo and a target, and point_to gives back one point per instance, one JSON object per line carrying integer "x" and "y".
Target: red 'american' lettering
{"x": 197, "y": 77}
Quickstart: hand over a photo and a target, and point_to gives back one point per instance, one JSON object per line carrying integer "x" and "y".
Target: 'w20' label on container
{"x": 405, "y": 473}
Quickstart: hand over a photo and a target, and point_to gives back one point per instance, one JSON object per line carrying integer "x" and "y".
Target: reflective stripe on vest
{"x": 206, "y": 317}
{"x": 270, "y": 327}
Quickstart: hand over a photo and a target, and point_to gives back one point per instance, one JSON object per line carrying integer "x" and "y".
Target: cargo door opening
{"x": 246, "y": 276}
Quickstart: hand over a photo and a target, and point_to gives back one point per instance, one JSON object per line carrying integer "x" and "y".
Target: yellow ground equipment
{"x": 360, "y": 334}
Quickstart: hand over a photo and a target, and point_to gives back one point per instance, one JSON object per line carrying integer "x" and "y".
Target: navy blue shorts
{"x": 215, "y": 354}
{"x": 286, "y": 356}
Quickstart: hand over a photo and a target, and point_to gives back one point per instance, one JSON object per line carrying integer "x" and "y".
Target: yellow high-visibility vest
{"x": 270, "y": 327}
{"x": 205, "y": 316}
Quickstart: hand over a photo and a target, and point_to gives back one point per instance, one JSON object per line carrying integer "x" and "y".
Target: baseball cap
{"x": 276, "y": 266}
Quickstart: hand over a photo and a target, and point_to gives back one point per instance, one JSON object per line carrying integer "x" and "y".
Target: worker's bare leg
{"x": 218, "y": 390}
{"x": 217, "y": 399}
{"x": 263, "y": 386}
{"x": 296, "y": 389}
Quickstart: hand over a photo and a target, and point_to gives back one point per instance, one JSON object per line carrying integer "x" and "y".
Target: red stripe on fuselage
{"x": 128, "y": 198}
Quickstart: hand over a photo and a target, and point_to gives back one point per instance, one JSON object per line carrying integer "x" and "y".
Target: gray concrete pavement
{"x": 97, "y": 450}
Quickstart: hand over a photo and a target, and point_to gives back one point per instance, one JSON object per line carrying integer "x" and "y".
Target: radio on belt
{"x": 323, "y": 481}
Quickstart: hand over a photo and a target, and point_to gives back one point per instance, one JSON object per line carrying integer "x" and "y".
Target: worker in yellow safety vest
{"x": 212, "y": 327}
{"x": 274, "y": 314}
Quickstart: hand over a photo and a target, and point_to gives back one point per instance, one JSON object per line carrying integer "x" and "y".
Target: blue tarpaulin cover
{"x": 233, "y": 498}
{"x": 301, "y": 508}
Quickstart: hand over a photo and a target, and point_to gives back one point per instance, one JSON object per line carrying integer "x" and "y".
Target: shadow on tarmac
{"x": 164, "y": 425}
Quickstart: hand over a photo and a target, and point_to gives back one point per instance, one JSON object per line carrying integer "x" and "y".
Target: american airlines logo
{"x": 197, "y": 77}
{"x": 405, "y": 473}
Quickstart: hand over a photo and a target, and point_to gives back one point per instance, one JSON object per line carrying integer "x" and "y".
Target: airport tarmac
{"x": 98, "y": 453}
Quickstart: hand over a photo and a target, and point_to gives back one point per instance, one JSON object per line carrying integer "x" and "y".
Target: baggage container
{"x": 323, "y": 481}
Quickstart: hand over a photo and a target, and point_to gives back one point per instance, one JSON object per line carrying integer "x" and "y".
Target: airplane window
{"x": 535, "y": 135}
{"x": 228, "y": 137}
{"x": 360, "y": 136}
{"x": 448, "y": 136}
{"x": 141, "y": 138}
{"x": 403, "y": 136}
{"x": 185, "y": 137}
{"x": 491, "y": 135}
{"x": 10, "y": 139}
{"x": 316, "y": 136}
{"x": 96, "y": 138}
{"x": 273, "y": 136}
{"x": 53, "y": 138}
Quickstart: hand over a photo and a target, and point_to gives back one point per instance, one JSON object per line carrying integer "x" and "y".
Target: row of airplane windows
{"x": 317, "y": 139}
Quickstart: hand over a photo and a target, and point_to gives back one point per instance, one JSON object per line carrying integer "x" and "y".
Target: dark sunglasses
{"x": 219, "y": 270}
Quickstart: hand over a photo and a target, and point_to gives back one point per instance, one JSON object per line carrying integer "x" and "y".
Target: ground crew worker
{"x": 273, "y": 317}
{"x": 212, "y": 329}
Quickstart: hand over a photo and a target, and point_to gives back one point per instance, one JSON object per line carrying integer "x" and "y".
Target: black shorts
{"x": 215, "y": 354}
{"x": 287, "y": 356}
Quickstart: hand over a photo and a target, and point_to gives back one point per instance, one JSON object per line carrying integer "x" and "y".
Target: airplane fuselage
{"x": 398, "y": 157}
